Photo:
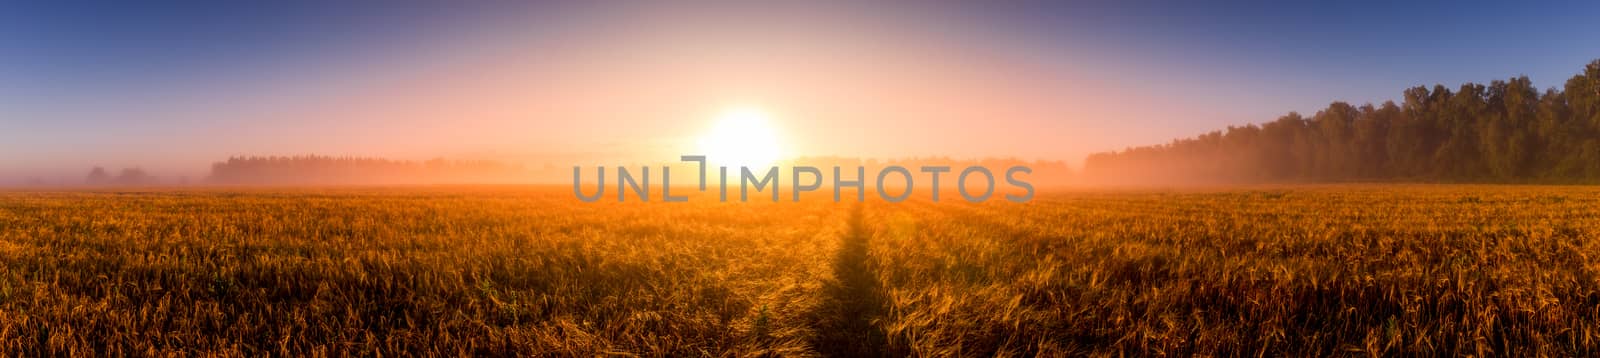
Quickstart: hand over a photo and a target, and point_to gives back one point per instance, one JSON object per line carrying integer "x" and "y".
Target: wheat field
{"x": 1341, "y": 270}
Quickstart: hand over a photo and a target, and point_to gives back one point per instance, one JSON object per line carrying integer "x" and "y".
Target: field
{"x": 1298, "y": 271}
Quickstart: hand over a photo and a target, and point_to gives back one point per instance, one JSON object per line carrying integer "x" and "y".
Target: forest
{"x": 319, "y": 169}
{"x": 1506, "y": 132}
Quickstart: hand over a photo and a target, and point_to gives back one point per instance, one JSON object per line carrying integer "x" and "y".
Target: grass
{"x": 1347, "y": 270}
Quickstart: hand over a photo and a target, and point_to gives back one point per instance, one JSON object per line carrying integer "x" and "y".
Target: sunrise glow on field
{"x": 799, "y": 179}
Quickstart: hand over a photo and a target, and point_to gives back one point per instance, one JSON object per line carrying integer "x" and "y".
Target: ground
{"x": 1283, "y": 270}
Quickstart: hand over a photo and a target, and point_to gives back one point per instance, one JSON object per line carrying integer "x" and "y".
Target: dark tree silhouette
{"x": 98, "y": 176}
{"x": 1506, "y": 131}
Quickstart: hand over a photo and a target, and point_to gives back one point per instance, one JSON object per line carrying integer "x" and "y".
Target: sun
{"x": 741, "y": 136}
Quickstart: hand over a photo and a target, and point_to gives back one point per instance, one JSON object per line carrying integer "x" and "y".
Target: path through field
{"x": 853, "y": 304}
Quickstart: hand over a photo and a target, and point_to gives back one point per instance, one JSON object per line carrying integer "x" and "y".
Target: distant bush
{"x": 128, "y": 176}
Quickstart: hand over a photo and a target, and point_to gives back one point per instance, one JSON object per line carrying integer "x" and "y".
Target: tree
{"x": 1504, "y": 132}
{"x": 98, "y": 176}
{"x": 133, "y": 176}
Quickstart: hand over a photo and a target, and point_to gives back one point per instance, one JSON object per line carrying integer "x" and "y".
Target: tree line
{"x": 319, "y": 169}
{"x": 1507, "y": 131}
{"x": 128, "y": 176}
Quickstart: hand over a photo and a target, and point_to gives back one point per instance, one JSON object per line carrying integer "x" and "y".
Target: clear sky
{"x": 174, "y": 86}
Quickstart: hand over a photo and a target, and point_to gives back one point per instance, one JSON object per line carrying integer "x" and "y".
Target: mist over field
{"x": 1505, "y": 132}
{"x": 799, "y": 179}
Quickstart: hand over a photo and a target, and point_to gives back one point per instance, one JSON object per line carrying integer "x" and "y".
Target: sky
{"x": 174, "y": 86}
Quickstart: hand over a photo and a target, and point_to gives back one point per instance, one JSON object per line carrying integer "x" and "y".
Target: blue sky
{"x": 173, "y": 85}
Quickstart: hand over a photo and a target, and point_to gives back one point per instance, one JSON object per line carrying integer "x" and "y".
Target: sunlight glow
{"x": 741, "y": 136}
